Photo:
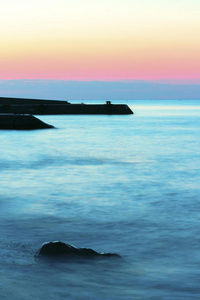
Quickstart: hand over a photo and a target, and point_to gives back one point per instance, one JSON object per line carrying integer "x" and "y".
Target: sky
{"x": 107, "y": 40}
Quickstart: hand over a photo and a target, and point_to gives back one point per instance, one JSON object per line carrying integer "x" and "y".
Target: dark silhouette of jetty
{"x": 58, "y": 107}
{"x": 21, "y": 122}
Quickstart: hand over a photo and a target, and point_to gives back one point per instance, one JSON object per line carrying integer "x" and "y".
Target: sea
{"x": 125, "y": 184}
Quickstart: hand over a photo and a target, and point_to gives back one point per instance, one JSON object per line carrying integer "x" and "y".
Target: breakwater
{"x": 57, "y": 107}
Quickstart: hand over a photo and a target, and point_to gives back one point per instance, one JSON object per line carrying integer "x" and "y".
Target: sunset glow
{"x": 100, "y": 40}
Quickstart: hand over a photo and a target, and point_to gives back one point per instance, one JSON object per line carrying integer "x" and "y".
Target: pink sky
{"x": 92, "y": 40}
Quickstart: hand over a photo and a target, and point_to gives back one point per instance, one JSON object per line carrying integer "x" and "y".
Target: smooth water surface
{"x": 122, "y": 184}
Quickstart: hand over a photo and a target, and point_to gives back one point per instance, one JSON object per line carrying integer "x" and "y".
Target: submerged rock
{"x": 61, "y": 250}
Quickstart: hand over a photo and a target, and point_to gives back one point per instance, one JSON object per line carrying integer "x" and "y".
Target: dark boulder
{"x": 61, "y": 250}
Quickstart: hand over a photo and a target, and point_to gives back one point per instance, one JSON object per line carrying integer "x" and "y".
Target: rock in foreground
{"x": 61, "y": 250}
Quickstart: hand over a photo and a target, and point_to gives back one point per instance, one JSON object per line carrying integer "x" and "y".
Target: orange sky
{"x": 100, "y": 40}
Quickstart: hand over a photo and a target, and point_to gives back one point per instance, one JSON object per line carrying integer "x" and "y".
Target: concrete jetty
{"x": 58, "y": 107}
{"x": 21, "y": 122}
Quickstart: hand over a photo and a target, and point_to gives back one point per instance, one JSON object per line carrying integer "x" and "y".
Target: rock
{"x": 61, "y": 250}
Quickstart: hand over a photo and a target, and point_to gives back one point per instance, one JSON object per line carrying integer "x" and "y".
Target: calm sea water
{"x": 122, "y": 184}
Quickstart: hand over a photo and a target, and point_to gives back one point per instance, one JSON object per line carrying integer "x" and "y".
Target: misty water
{"x": 120, "y": 184}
